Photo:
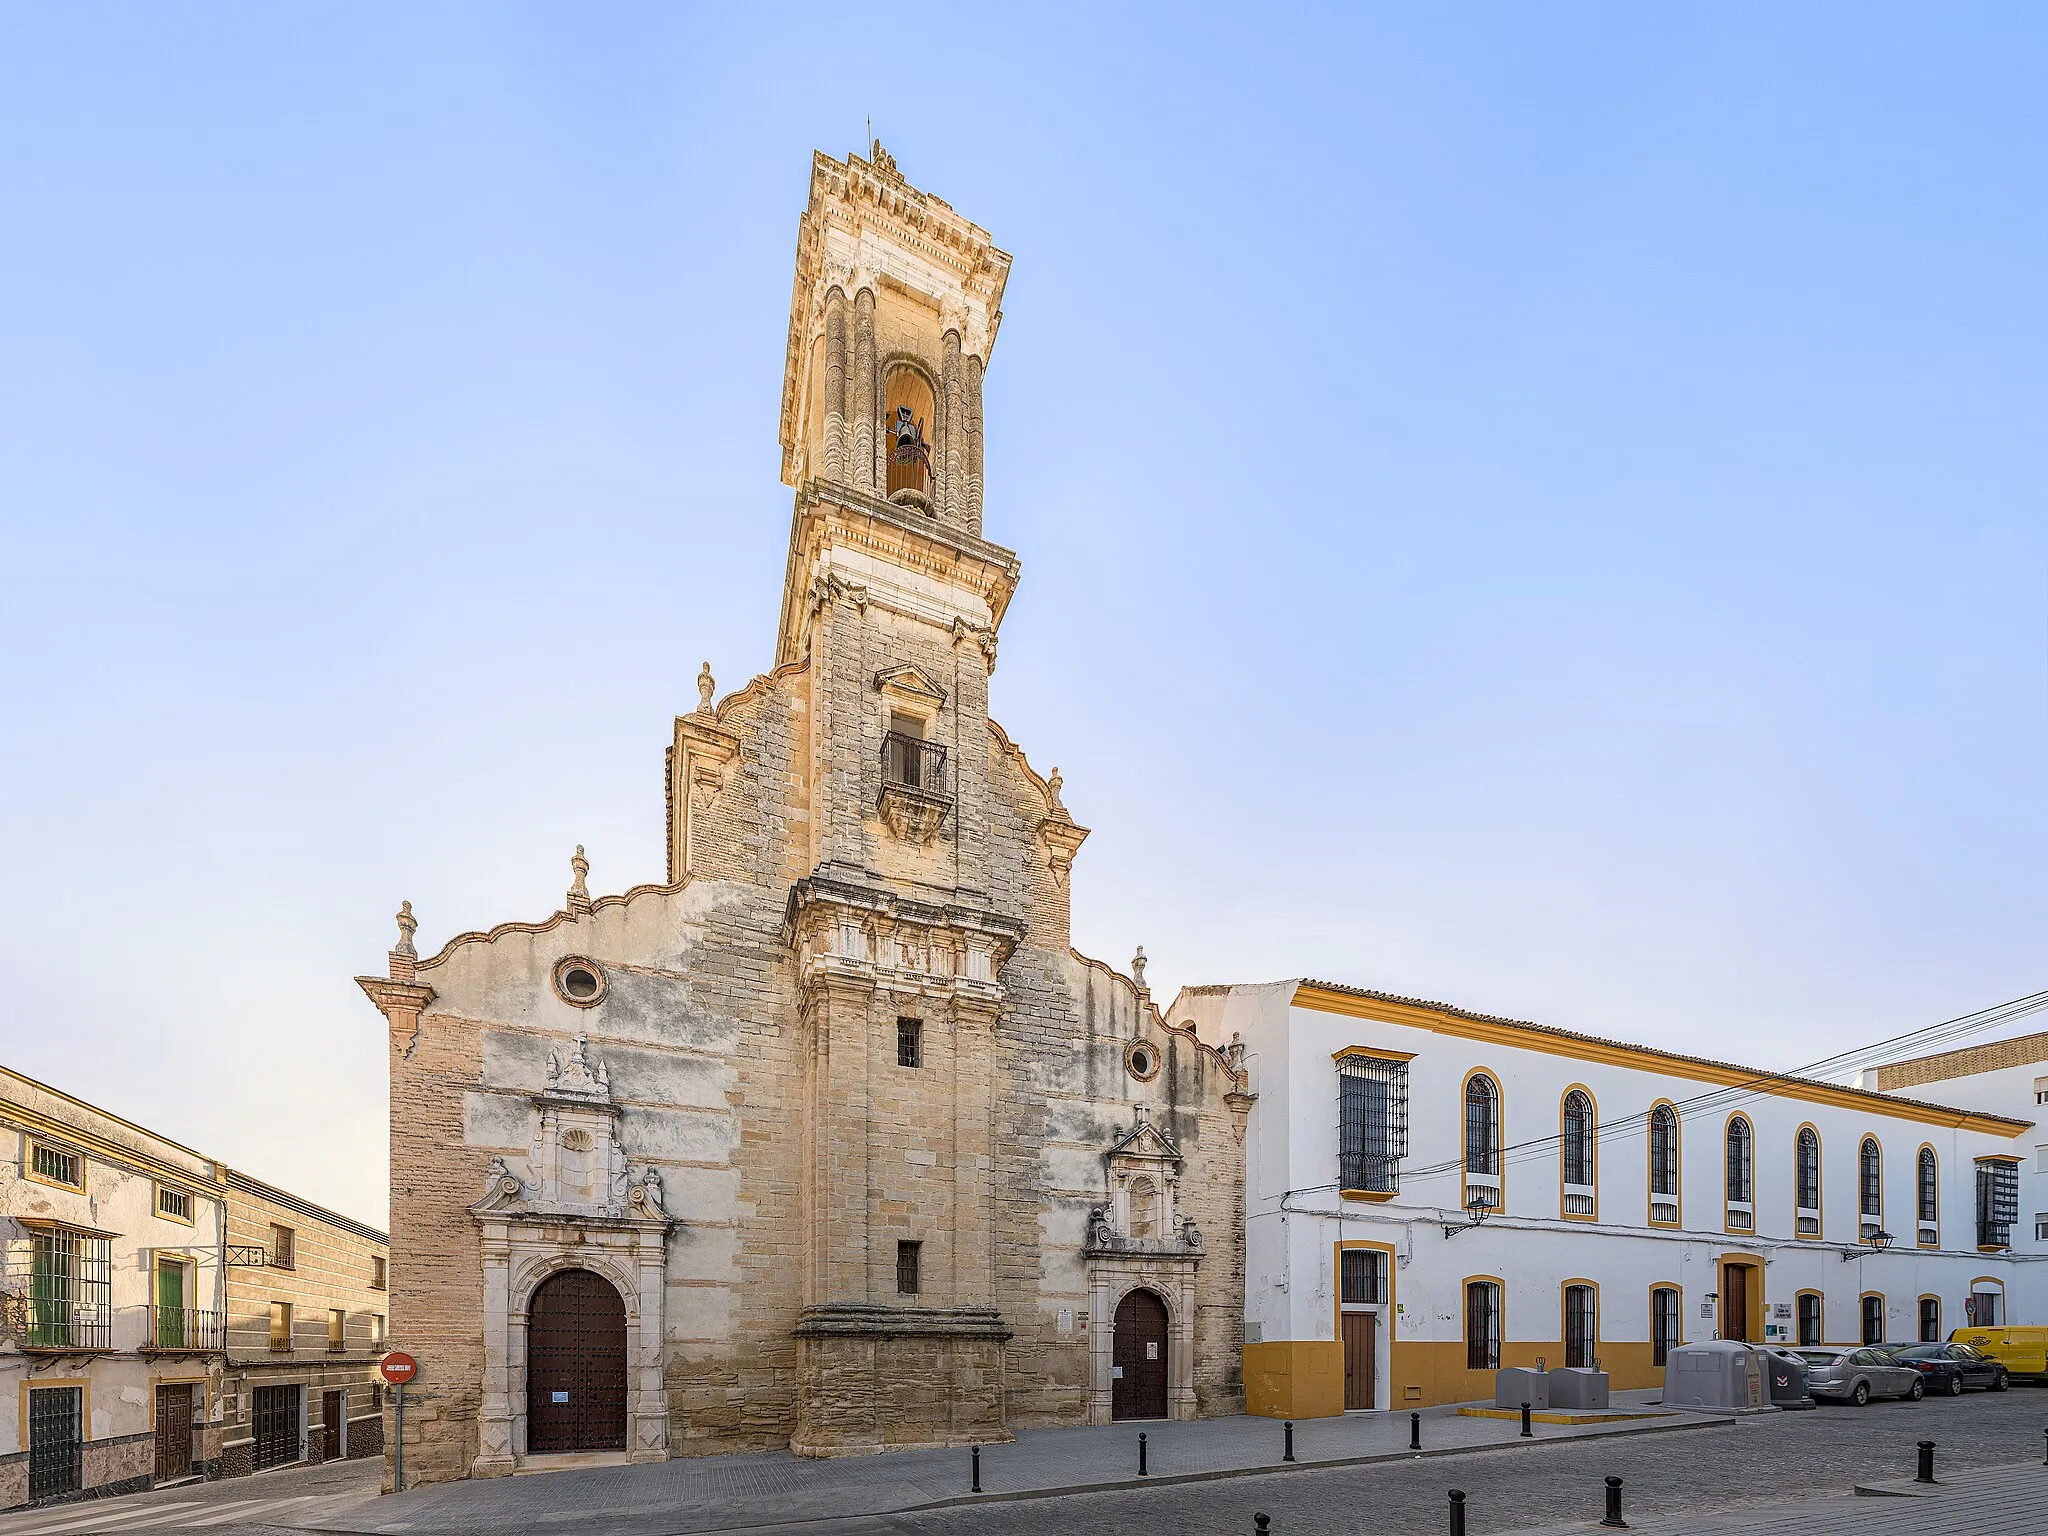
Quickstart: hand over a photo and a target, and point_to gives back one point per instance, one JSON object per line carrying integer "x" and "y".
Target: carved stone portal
{"x": 577, "y": 1204}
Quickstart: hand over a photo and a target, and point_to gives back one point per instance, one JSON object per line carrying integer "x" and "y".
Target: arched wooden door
{"x": 576, "y": 1365}
{"x": 1138, "y": 1354}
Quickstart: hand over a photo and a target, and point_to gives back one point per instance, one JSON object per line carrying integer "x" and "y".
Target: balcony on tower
{"x": 915, "y": 792}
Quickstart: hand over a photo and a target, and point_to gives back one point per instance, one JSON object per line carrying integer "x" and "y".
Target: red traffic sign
{"x": 398, "y": 1368}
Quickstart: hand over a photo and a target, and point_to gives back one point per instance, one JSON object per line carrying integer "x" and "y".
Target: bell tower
{"x": 890, "y": 610}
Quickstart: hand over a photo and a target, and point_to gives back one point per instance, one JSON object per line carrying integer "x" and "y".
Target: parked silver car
{"x": 1858, "y": 1375}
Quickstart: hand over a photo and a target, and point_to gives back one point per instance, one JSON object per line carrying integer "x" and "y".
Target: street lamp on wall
{"x": 1476, "y": 1208}
{"x": 1880, "y": 1240}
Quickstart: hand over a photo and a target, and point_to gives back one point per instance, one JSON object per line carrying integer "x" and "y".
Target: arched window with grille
{"x": 1579, "y": 1153}
{"x": 1482, "y": 1325}
{"x": 1870, "y": 1187}
{"x": 1741, "y": 1174}
{"x": 1664, "y": 1165}
{"x": 1806, "y": 1182}
{"x": 1482, "y": 1139}
{"x": 1581, "y": 1324}
{"x": 1927, "y": 1193}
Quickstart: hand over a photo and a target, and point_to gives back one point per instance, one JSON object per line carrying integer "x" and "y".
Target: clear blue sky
{"x": 1534, "y": 506}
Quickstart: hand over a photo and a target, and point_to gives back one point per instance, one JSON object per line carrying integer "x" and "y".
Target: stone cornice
{"x": 829, "y": 514}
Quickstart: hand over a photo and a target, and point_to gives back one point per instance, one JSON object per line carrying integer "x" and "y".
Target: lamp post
{"x": 1476, "y": 1208}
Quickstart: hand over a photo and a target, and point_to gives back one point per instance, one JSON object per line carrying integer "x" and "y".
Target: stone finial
{"x": 579, "y": 890}
{"x": 705, "y": 689}
{"x": 1052, "y": 792}
{"x": 1138, "y": 968}
{"x": 403, "y": 956}
{"x": 1142, "y": 1110}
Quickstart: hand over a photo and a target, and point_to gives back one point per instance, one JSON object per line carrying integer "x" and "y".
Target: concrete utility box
{"x": 1717, "y": 1376}
{"x": 1578, "y": 1386}
{"x": 1517, "y": 1384}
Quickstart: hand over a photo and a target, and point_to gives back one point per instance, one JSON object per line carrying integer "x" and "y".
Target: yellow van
{"x": 2022, "y": 1351}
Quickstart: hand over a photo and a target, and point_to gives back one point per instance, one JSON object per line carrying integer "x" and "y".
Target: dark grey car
{"x": 1858, "y": 1375}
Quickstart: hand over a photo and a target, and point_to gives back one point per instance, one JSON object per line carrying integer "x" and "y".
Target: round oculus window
{"x": 579, "y": 983}
{"x": 1142, "y": 1061}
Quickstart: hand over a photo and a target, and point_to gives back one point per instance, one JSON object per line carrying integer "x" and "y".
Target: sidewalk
{"x": 1985, "y": 1501}
{"x": 773, "y": 1487}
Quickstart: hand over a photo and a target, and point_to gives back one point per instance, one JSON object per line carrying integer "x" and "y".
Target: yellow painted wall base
{"x": 1304, "y": 1378}
{"x": 1294, "y": 1379}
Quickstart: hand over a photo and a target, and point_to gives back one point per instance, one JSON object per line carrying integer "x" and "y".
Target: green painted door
{"x": 170, "y": 1305}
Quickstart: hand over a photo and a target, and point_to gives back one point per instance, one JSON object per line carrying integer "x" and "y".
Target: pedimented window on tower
{"x": 906, "y": 441}
{"x": 915, "y": 793}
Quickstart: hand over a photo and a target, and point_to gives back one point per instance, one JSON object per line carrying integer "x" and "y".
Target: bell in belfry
{"x": 909, "y": 436}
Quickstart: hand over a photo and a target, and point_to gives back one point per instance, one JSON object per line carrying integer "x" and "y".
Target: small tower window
{"x": 910, "y": 1042}
{"x": 906, "y": 1268}
{"x": 906, "y": 437}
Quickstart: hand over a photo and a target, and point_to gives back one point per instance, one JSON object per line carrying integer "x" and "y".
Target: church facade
{"x": 831, "y": 1141}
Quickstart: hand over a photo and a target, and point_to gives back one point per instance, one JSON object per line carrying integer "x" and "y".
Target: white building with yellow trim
{"x": 1431, "y": 1194}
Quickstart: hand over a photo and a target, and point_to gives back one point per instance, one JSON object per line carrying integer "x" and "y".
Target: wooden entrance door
{"x": 173, "y": 1432}
{"x": 1360, "y": 1368}
{"x": 1735, "y": 1301}
{"x": 276, "y": 1411}
{"x": 576, "y": 1365}
{"x": 1138, "y": 1355}
{"x": 334, "y": 1425}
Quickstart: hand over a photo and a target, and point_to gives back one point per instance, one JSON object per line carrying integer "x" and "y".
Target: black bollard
{"x": 1612, "y": 1519}
{"x": 1414, "y": 1431}
{"x": 1262, "y": 1523}
{"x": 1925, "y": 1474}
{"x": 1527, "y": 1434}
{"x": 1288, "y": 1454}
{"x": 1457, "y": 1512}
{"x": 1141, "y": 1455}
{"x": 977, "y": 1470}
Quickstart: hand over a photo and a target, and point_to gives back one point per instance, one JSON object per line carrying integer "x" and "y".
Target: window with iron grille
{"x": 56, "y": 1441}
{"x": 1741, "y": 1163}
{"x": 906, "y": 1268}
{"x": 1372, "y": 1123}
{"x": 1806, "y": 1169}
{"x": 1930, "y": 1187}
{"x": 1578, "y": 1138}
{"x": 1482, "y": 1126}
{"x": 337, "y": 1331}
{"x": 1664, "y": 1151}
{"x": 1930, "y": 1319}
{"x": 1581, "y": 1324}
{"x": 1873, "y": 1319}
{"x": 174, "y": 1203}
{"x": 55, "y": 1165}
{"x": 1809, "y": 1318}
{"x": 281, "y": 1326}
{"x": 1870, "y": 1178}
{"x": 1482, "y": 1325}
{"x": 910, "y": 1042}
{"x": 281, "y": 1247}
{"x": 1361, "y": 1275}
{"x": 70, "y": 1290}
{"x": 1663, "y": 1323}
{"x": 1998, "y": 1203}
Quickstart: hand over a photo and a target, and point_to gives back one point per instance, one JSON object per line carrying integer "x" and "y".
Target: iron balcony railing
{"x": 911, "y": 763}
{"x": 186, "y": 1330}
{"x": 53, "y": 1323}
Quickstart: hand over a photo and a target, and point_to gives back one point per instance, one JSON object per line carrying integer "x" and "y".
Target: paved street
{"x": 1696, "y": 1479}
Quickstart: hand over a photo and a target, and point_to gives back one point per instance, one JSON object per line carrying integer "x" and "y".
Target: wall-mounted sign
{"x": 558, "y": 1397}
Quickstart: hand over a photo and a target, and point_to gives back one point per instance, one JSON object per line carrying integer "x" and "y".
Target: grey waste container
{"x": 1715, "y": 1376}
{"x": 1517, "y": 1384}
{"x": 1784, "y": 1377}
{"x": 1578, "y": 1386}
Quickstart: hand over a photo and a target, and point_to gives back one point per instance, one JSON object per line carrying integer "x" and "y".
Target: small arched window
{"x": 1870, "y": 1179}
{"x": 1929, "y": 1188}
{"x": 1664, "y": 1151}
{"x": 1482, "y": 1126}
{"x": 1741, "y": 1162}
{"x": 1806, "y": 1169}
{"x": 1578, "y": 1138}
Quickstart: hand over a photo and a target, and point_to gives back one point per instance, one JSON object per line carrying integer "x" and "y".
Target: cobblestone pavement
{"x": 1688, "y": 1482}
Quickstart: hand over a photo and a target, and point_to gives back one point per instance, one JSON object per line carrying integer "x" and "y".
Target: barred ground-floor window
{"x": 1482, "y": 1325}
{"x": 1663, "y": 1323}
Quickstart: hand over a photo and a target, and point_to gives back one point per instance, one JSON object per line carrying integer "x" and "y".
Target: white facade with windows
{"x": 1529, "y": 1193}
